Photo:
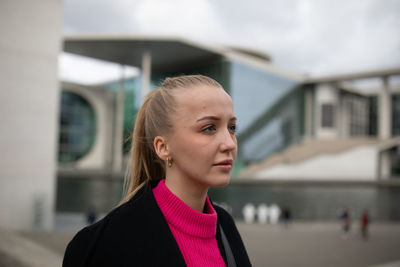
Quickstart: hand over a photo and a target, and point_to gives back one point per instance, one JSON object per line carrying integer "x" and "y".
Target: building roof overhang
{"x": 355, "y": 75}
{"x": 167, "y": 53}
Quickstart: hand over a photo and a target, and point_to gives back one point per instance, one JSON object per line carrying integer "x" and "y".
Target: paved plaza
{"x": 301, "y": 244}
{"x": 321, "y": 244}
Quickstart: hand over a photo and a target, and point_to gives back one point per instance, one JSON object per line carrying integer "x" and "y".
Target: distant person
{"x": 286, "y": 216}
{"x": 364, "y": 222}
{"x": 91, "y": 216}
{"x": 346, "y": 221}
{"x": 249, "y": 213}
{"x": 274, "y": 213}
{"x": 262, "y": 213}
{"x": 183, "y": 143}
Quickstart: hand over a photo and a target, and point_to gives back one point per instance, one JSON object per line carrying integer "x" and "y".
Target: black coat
{"x": 137, "y": 234}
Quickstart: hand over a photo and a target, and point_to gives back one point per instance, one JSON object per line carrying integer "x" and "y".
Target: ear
{"x": 161, "y": 147}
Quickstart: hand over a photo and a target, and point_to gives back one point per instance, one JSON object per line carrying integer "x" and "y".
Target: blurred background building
{"x": 295, "y": 133}
{"x": 315, "y": 144}
{"x": 298, "y": 119}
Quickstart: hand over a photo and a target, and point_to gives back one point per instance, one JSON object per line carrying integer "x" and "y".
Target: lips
{"x": 224, "y": 166}
{"x": 227, "y": 162}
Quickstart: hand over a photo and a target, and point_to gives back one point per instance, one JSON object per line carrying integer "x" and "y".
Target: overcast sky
{"x": 316, "y": 37}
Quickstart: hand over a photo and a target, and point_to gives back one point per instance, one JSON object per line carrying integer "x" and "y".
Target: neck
{"x": 191, "y": 193}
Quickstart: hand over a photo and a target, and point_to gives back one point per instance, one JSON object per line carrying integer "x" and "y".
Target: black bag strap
{"x": 229, "y": 255}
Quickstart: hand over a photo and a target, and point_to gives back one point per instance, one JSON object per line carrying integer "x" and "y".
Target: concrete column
{"x": 109, "y": 122}
{"x": 384, "y": 165}
{"x": 385, "y": 110}
{"x": 146, "y": 73}
{"x": 308, "y": 114}
{"x": 344, "y": 124}
{"x": 119, "y": 124}
{"x": 29, "y": 106}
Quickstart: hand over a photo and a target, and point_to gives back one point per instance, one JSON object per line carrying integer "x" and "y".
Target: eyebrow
{"x": 213, "y": 118}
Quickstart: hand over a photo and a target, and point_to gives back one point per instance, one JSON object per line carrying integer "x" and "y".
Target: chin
{"x": 221, "y": 181}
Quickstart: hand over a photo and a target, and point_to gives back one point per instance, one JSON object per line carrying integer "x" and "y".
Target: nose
{"x": 228, "y": 142}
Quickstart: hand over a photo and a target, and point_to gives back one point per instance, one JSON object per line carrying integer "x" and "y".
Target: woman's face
{"x": 202, "y": 144}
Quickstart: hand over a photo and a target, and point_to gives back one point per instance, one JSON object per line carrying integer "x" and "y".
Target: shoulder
{"x": 80, "y": 246}
{"x": 224, "y": 217}
{"x": 107, "y": 240}
{"x": 232, "y": 234}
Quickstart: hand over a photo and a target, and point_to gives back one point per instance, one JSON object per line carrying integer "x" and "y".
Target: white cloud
{"x": 309, "y": 36}
{"x": 194, "y": 18}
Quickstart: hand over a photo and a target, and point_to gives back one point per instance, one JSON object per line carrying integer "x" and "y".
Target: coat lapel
{"x": 164, "y": 246}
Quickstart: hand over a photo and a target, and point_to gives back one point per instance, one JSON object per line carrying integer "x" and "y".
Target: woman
{"x": 183, "y": 143}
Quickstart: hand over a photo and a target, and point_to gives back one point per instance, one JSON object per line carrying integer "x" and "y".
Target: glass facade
{"x": 396, "y": 114}
{"x": 328, "y": 113}
{"x": 77, "y": 128}
{"x": 131, "y": 89}
{"x": 356, "y": 112}
{"x": 373, "y": 115}
{"x": 269, "y": 108}
{"x": 394, "y": 154}
{"x": 281, "y": 126}
{"x": 254, "y": 93}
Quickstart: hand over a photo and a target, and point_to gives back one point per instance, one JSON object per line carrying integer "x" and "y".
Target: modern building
{"x": 296, "y": 134}
{"x": 245, "y": 74}
{"x": 330, "y": 128}
{"x": 289, "y": 126}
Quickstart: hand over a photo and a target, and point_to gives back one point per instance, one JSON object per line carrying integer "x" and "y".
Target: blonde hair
{"x": 154, "y": 119}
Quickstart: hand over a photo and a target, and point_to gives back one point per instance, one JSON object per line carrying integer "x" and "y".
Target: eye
{"x": 232, "y": 128}
{"x": 209, "y": 128}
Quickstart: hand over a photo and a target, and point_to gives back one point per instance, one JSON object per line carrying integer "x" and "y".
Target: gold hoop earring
{"x": 169, "y": 162}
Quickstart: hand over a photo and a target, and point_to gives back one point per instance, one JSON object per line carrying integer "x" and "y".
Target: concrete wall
{"x": 29, "y": 97}
{"x": 358, "y": 164}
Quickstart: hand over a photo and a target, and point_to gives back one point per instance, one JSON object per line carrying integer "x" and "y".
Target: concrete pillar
{"x": 384, "y": 165}
{"x": 385, "y": 110}
{"x": 29, "y": 106}
{"x": 119, "y": 124}
{"x": 146, "y": 73}
{"x": 344, "y": 125}
{"x": 309, "y": 106}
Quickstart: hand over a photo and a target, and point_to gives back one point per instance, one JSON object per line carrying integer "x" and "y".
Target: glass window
{"x": 357, "y": 110}
{"x": 396, "y": 115}
{"x": 373, "y": 115}
{"x": 132, "y": 100}
{"x": 327, "y": 118}
{"x": 254, "y": 92}
{"x": 77, "y": 128}
{"x": 280, "y": 127}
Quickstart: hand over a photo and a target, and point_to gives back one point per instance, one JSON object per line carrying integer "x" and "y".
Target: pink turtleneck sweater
{"x": 193, "y": 231}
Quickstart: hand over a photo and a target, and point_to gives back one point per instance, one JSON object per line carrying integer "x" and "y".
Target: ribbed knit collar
{"x": 184, "y": 218}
